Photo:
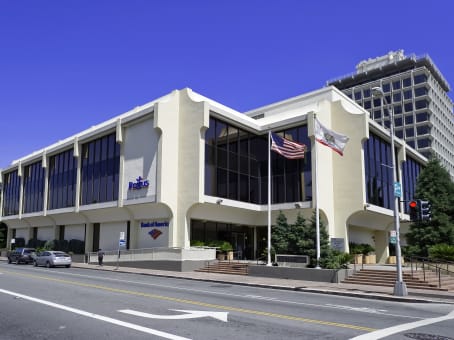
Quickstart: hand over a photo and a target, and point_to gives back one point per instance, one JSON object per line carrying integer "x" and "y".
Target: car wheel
{"x": 35, "y": 264}
{"x": 48, "y": 264}
{"x": 17, "y": 261}
{"x": 68, "y": 265}
{"x": 9, "y": 260}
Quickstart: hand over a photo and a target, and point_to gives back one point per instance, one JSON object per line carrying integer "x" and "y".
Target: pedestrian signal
{"x": 425, "y": 210}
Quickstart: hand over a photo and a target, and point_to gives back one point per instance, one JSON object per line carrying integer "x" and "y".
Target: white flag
{"x": 330, "y": 138}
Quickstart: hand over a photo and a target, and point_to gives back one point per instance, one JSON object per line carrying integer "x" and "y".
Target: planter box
{"x": 358, "y": 258}
{"x": 392, "y": 260}
{"x": 370, "y": 259}
{"x": 309, "y": 274}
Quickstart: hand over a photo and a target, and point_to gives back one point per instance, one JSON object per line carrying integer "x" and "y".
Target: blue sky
{"x": 68, "y": 65}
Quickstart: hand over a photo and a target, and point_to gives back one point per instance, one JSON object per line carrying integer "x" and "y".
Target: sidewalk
{"x": 360, "y": 291}
{"x": 353, "y": 290}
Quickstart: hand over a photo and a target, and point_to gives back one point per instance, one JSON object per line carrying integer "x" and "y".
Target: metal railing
{"x": 428, "y": 265}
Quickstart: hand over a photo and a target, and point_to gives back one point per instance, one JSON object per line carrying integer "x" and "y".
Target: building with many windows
{"x": 184, "y": 167}
{"x": 418, "y": 94}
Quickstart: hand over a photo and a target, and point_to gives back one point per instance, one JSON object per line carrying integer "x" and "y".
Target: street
{"x": 61, "y": 303}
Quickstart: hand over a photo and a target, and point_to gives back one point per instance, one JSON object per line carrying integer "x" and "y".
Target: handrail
{"x": 432, "y": 265}
{"x": 262, "y": 259}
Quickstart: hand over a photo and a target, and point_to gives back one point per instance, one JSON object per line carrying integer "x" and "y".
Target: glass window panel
{"x": 422, "y": 130}
{"x": 421, "y": 104}
{"x": 407, "y": 82}
{"x": 420, "y": 91}
{"x": 422, "y": 117}
{"x": 420, "y": 78}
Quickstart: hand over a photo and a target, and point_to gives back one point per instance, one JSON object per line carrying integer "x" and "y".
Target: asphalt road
{"x": 61, "y": 303}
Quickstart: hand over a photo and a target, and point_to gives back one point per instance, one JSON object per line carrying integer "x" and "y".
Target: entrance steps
{"x": 387, "y": 278}
{"x": 225, "y": 267}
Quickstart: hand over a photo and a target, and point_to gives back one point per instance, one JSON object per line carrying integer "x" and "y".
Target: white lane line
{"x": 404, "y": 327}
{"x": 97, "y": 316}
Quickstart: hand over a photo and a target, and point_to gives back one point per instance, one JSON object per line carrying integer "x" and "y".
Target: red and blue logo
{"x": 155, "y": 233}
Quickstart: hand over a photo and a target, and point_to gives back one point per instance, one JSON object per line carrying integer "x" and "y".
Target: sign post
{"x": 393, "y": 237}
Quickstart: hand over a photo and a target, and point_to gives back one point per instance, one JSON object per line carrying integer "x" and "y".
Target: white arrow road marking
{"x": 189, "y": 314}
{"x": 97, "y": 316}
{"x": 359, "y": 309}
{"x": 404, "y": 327}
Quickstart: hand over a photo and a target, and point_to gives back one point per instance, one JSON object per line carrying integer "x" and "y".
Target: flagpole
{"x": 317, "y": 211}
{"x": 268, "y": 262}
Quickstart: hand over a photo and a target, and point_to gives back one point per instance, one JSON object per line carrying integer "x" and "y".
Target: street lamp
{"x": 400, "y": 288}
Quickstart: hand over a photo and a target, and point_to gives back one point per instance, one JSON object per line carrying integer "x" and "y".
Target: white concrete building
{"x": 184, "y": 168}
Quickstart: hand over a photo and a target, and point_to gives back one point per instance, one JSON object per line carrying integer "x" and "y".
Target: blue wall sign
{"x": 153, "y": 224}
{"x": 139, "y": 184}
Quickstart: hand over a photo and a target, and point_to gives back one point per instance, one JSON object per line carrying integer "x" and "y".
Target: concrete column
{"x": 381, "y": 245}
{"x": 88, "y": 237}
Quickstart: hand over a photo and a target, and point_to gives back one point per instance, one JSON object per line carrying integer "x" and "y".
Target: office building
{"x": 418, "y": 94}
{"x": 184, "y": 168}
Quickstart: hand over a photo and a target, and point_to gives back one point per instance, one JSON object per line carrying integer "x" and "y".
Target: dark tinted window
{"x": 100, "y": 170}
{"x": 236, "y": 166}
{"x": 420, "y": 78}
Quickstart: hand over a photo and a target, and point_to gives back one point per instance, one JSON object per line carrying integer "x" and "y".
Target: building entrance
{"x": 239, "y": 244}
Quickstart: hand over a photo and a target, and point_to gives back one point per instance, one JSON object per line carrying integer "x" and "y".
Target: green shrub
{"x": 20, "y": 242}
{"x": 363, "y": 248}
{"x": 35, "y": 243}
{"x": 442, "y": 252}
{"x": 355, "y": 248}
{"x": 223, "y": 246}
{"x": 336, "y": 260}
{"x": 197, "y": 243}
{"x": 76, "y": 246}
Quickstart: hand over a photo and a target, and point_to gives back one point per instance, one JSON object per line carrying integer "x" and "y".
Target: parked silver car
{"x": 51, "y": 258}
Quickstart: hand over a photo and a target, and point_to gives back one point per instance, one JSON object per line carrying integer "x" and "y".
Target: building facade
{"x": 185, "y": 168}
{"x": 418, "y": 94}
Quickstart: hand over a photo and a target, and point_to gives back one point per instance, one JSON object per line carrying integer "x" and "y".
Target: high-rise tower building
{"x": 418, "y": 94}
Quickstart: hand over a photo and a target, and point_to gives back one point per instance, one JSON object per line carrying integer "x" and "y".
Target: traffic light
{"x": 425, "y": 212}
{"x": 413, "y": 211}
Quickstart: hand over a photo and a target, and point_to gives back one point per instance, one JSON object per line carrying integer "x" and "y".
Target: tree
{"x": 299, "y": 238}
{"x": 280, "y": 234}
{"x": 434, "y": 184}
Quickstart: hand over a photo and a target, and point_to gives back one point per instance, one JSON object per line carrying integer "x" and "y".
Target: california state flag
{"x": 330, "y": 138}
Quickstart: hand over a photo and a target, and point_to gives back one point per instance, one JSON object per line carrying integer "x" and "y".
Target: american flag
{"x": 286, "y": 147}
